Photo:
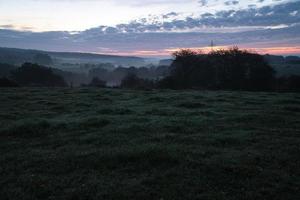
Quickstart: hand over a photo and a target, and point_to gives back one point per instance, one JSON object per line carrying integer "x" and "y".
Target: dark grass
{"x": 118, "y": 144}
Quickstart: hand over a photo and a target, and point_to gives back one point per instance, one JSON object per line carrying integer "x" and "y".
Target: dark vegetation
{"x": 6, "y": 69}
{"x": 96, "y": 82}
{"x": 89, "y": 143}
{"x": 132, "y": 81}
{"x": 115, "y": 76}
{"x": 122, "y": 144}
{"x": 35, "y": 75}
{"x": 231, "y": 69}
{"x": 5, "y": 82}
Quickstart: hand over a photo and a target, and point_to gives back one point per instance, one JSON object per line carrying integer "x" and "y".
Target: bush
{"x": 4, "y": 82}
{"x": 294, "y": 83}
{"x": 131, "y": 81}
{"x": 35, "y": 75}
{"x": 96, "y": 82}
{"x": 224, "y": 69}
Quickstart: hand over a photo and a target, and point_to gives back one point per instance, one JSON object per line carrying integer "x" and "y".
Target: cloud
{"x": 15, "y": 27}
{"x": 258, "y": 18}
{"x": 203, "y": 2}
{"x": 7, "y": 26}
{"x": 128, "y": 2}
{"x": 265, "y": 27}
{"x": 229, "y": 3}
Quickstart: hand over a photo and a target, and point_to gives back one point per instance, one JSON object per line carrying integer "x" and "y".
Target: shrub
{"x": 131, "y": 81}
{"x": 4, "y": 82}
{"x": 224, "y": 69}
{"x": 96, "y": 82}
{"x": 35, "y": 75}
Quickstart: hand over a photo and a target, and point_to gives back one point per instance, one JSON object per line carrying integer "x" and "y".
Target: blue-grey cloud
{"x": 229, "y": 3}
{"x": 203, "y": 2}
{"x": 266, "y": 26}
{"x": 283, "y": 14}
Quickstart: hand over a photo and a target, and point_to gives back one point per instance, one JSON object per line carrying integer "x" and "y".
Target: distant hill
{"x": 165, "y": 62}
{"x": 284, "y": 66}
{"x": 82, "y": 62}
{"x": 19, "y": 56}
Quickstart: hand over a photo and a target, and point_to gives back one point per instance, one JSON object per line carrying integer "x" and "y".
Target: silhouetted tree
{"x": 237, "y": 69}
{"x": 294, "y": 83}
{"x": 4, "y": 82}
{"x": 100, "y": 73}
{"x": 191, "y": 69}
{"x": 132, "y": 81}
{"x": 168, "y": 82}
{"x": 225, "y": 69}
{"x": 35, "y": 75}
{"x": 96, "y": 82}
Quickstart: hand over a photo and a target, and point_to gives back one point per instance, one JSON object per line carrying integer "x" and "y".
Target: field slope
{"x": 118, "y": 144}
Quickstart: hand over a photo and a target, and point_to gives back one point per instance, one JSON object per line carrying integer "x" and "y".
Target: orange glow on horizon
{"x": 168, "y": 52}
{"x": 279, "y": 50}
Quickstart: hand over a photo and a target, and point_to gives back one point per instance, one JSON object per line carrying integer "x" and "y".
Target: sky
{"x": 150, "y": 28}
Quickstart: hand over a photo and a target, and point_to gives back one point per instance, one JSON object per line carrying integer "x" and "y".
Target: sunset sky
{"x": 150, "y": 28}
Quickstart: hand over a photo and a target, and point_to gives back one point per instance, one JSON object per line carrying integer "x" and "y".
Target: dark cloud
{"x": 203, "y": 2}
{"x": 128, "y": 2}
{"x": 287, "y": 14}
{"x": 7, "y": 26}
{"x": 60, "y": 41}
{"x": 229, "y": 3}
{"x": 270, "y": 25}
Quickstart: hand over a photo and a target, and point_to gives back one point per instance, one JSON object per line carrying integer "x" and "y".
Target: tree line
{"x": 31, "y": 75}
{"x": 231, "y": 69}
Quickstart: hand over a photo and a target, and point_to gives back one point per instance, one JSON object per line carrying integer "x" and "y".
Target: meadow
{"x": 162, "y": 144}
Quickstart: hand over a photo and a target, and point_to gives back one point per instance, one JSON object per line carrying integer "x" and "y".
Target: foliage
{"x": 5, "y": 82}
{"x": 294, "y": 83}
{"x": 134, "y": 82}
{"x": 115, "y": 76}
{"x": 96, "y": 82}
{"x": 223, "y": 69}
{"x": 35, "y": 75}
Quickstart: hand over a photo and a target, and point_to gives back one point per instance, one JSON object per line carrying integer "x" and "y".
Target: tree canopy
{"x": 224, "y": 69}
{"x": 35, "y": 75}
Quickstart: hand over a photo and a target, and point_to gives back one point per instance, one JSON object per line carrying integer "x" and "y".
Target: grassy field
{"x": 118, "y": 144}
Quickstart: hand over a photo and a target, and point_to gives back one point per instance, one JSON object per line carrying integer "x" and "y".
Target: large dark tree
{"x": 5, "y": 82}
{"x": 96, "y": 82}
{"x": 225, "y": 69}
{"x": 132, "y": 81}
{"x": 294, "y": 83}
{"x": 191, "y": 69}
{"x": 35, "y": 75}
{"x": 237, "y": 69}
